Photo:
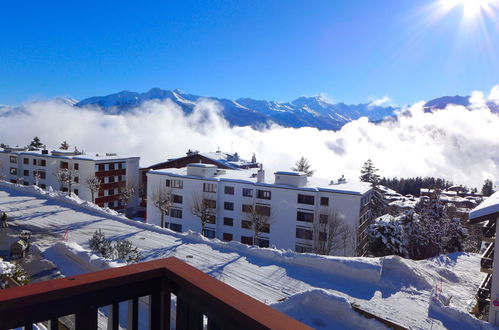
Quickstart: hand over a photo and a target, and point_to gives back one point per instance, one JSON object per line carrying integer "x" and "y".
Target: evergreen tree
{"x": 386, "y": 238}
{"x": 302, "y": 165}
{"x": 368, "y": 173}
{"x": 95, "y": 243}
{"x": 36, "y": 143}
{"x": 487, "y": 188}
{"x": 64, "y": 145}
{"x": 127, "y": 252}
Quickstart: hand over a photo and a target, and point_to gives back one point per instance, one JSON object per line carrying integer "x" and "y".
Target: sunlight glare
{"x": 471, "y": 8}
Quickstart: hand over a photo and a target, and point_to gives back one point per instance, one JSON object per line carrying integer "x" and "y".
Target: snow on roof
{"x": 201, "y": 165}
{"x": 249, "y": 177}
{"x": 487, "y": 207}
{"x": 290, "y": 173}
{"x": 70, "y": 154}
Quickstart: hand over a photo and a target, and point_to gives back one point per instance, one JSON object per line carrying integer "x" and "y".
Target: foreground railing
{"x": 487, "y": 260}
{"x": 200, "y": 300}
{"x": 489, "y": 230}
{"x": 484, "y": 288}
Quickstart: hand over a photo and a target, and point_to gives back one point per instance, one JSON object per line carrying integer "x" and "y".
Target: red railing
{"x": 198, "y": 295}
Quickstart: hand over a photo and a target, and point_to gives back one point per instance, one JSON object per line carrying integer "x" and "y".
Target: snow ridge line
{"x": 362, "y": 269}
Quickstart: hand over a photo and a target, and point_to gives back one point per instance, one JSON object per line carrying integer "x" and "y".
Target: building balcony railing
{"x": 483, "y": 293}
{"x": 489, "y": 231}
{"x": 487, "y": 259}
{"x": 201, "y": 300}
{"x": 101, "y": 174}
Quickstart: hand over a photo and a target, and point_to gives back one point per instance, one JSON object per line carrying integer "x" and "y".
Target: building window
{"x": 77, "y": 180}
{"x": 76, "y": 166}
{"x": 210, "y": 203}
{"x": 304, "y": 233}
{"x": 210, "y": 187}
{"x": 121, "y": 165}
{"x": 305, "y": 216}
{"x": 110, "y": 204}
{"x": 263, "y": 242}
{"x": 110, "y": 179}
{"x": 246, "y": 224}
{"x": 13, "y": 171}
{"x": 247, "y": 240}
{"x": 176, "y": 213}
{"x": 229, "y": 190}
{"x": 306, "y": 199}
{"x": 322, "y": 236}
{"x": 26, "y": 173}
{"x": 324, "y": 201}
{"x": 42, "y": 174}
{"x": 26, "y": 183}
{"x": 263, "y": 194}
{"x": 227, "y": 237}
{"x": 303, "y": 249}
{"x": 229, "y": 206}
{"x": 34, "y": 161}
{"x": 13, "y": 159}
{"x": 76, "y": 191}
{"x": 211, "y": 219}
{"x": 178, "y": 199}
{"x": 210, "y": 233}
{"x": 43, "y": 162}
{"x": 111, "y": 166}
{"x": 228, "y": 222}
{"x": 64, "y": 165}
{"x": 175, "y": 183}
{"x": 323, "y": 218}
{"x": 262, "y": 210}
{"x": 265, "y": 228}
{"x": 176, "y": 227}
{"x": 101, "y": 167}
{"x": 247, "y": 192}
{"x": 26, "y": 161}
{"x": 247, "y": 208}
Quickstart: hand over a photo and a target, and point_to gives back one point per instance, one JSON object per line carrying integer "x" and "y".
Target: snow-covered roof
{"x": 201, "y": 165}
{"x": 290, "y": 173}
{"x": 69, "y": 154}
{"x": 488, "y": 207}
{"x": 249, "y": 176}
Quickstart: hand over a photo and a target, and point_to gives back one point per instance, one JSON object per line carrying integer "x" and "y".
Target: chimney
{"x": 260, "y": 176}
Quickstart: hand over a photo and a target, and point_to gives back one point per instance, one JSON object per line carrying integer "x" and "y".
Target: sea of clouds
{"x": 455, "y": 143}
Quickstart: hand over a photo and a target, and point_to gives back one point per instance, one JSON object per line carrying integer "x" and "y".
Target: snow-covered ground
{"x": 314, "y": 289}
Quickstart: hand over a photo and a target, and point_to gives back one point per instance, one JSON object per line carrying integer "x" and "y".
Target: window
{"x": 324, "y": 201}
{"x": 13, "y": 159}
{"x": 26, "y": 183}
{"x": 263, "y": 242}
{"x": 110, "y": 179}
{"x": 175, "y": 183}
{"x": 210, "y": 233}
{"x": 178, "y": 199}
{"x": 211, "y": 219}
{"x": 111, "y": 166}
{"x": 246, "y": 224}
{"x": 228, "y": 190}
{"x": 26, "y": 161}
{"x": 305, "y": 216}
{"x": 247, "y": 192}
{"x": 76, "y": 192}
{"x": 34, "y": 161}
{"x": 303, "y": 249}
{"x": 265, "y": 228}
{"x": 176, "y": 213}
{"x": 263, "y": 194}
{"x": 227, "y": 237}
{"x": 304, "y": 233}
{"x": 101, "y": 167}
{"x": 26, "y": 173}
{"x": 101, "y": 193}
{"x": 263, "y": 210}
{"x": 13, "y": 171}
{"x": 323, "y": 218}
{"x": 76, "y": 166}
{"x": 64, "y": 165}
{"x": 43, "y": 162}
{"x": 306, "y": 199}
{"x": 322, "y": 236}
{"x": 210, "y": 203}
{"x": 110, "y": 204}
{"x": 209, "y": 187}
{"x": 247, "y": 208}
{"x": 247, "y": 240}
{"x": 77, "y": 180}
{"x": 176, "y": 227}
{"x": 229, "y": 206}
{"x": 121, "y": 165}
{"x": 228, "y": 222}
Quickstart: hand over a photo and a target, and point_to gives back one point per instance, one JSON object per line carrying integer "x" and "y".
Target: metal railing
{"x": 484, "y": 288}
{"x": 488, "y": 258}
{"x": 489, "y": 230}
{"x": 201, "y": 300}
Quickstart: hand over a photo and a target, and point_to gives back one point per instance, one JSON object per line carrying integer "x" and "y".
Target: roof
{"x": 249, "y": 177}
{"x": 69, "y": 154}
{"x": 486, "y": 210}
{"x": 224, "y": 159}
{"x": 290, "y": 173}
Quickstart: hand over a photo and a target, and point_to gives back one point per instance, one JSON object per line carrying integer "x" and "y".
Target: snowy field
{"x": 316, "y": 290}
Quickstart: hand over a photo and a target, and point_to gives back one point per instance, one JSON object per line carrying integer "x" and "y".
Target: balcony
{"x": 200, "y": 299}
{"x": 484, "y": 289}
{"x": 489, "y": 231}
{"x": 487, "y": 259}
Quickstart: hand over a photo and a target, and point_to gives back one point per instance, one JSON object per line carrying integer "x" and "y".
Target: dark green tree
{"x": 64, "y": 145}
{"x": 368, "y": 173}
{"x": 36, "y": 143}
{"x": 487, "y": 188}
{"x": 302, "y": 165}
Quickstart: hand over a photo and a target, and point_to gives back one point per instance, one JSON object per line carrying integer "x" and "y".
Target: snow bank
{"x": 453, "y": 318}
{"x": 6, "y": 268}
{"x": 85, "y": 258}
{"x": 398, "y": 272}
{"x": 321, "y": 309}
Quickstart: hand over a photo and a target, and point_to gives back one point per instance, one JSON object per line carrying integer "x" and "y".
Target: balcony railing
{"x": 200, "y": 300}
{"x": 489, "y": 230}
{"x": 487, "y": 259}
{"x": 484, "y": 288}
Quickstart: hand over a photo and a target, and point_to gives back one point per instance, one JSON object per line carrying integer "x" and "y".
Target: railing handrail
{"x": 171, "y": 275}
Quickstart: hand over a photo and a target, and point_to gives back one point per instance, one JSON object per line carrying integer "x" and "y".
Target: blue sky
{"x": 349, "y": 50}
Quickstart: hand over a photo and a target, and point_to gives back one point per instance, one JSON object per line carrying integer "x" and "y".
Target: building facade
{"x": 39, "y": 167}
{"x": 294, "y": 206}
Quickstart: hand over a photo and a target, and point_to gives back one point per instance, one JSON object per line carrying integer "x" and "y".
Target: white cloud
{"x": 378, "y": 102}
{"x": 454, "y": 143}
{"x": 494, "y": 95}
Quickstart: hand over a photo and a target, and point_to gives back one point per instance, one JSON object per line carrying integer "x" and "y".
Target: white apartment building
{"x": 22, "y": 166}
{"x": 293, "y": 202}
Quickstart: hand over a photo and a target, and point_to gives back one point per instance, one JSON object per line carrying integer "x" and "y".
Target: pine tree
{"x": 368, "y": 173}
{"x": 95, "y": 243}
{"x": 302, "y": 165}
{"x": 386, "y": 238}
{"x": 36, "y": 143}
{"x": 64, "y": 145}
{"x": 487, "y": 188}
{"x": 127, "y": 252}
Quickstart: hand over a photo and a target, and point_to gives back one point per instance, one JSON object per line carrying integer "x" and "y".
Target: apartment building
{"x": 29, "y": 167}
{"x": 488, "y": 292}
{"x": 293, "y": 203}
